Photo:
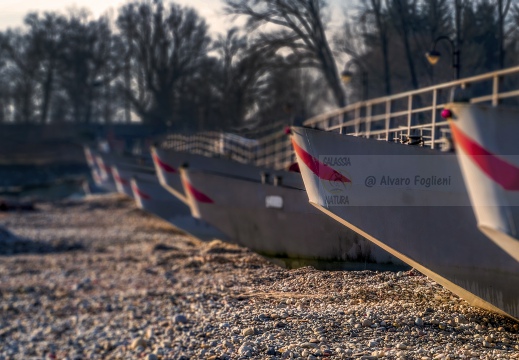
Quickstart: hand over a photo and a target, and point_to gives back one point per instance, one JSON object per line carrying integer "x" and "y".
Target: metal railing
{"x": 271, "y": 147}
{"x": 413, "y": 115}
{"x": 275, "y": 151}
{"x": 410, "y": 117}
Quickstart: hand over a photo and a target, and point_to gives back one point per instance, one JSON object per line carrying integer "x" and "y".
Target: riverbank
{"x": 99, "y": 279}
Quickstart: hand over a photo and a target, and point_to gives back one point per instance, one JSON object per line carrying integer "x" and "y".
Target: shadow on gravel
{"x": 12, "y": 245}
{"x": 220, "y": 247}
{"x": 7, "y": 205}
{"x": 140, "y": 213}
{"x": 102, "y": 201}
{"x": 154, "y": 223}
{"x": 163, "y": 247}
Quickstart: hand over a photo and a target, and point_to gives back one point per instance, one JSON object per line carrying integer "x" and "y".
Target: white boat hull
{"x": 276, "y": 221}
{"x": 102, "y": 173}
{"x": 123, "y": 174}
{"x": 432, "y": 229}
{"x": 153, "y": 198}
{"x": 486, "y": 143}
{"x": 168, "y": 162}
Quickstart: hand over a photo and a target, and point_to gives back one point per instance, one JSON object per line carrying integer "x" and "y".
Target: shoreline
{"x": 99, "y": 279}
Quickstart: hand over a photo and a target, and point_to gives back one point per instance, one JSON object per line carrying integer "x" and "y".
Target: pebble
{"x": 138, "y": 342}
{"x": 180, "y": 319}
{"x": 116, "y": 296}
{"x": 248, "y": 331}
{"x": 246, "y": 349}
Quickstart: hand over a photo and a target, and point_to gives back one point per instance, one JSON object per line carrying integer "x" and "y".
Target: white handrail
{"x": 390, "y": 118}
{"x": 422, "y": 108}
{"x": 273, "y": 149}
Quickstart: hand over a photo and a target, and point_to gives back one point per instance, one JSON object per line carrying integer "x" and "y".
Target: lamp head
{"x": 433, "y": 56}
{"x": 446, "y": 114}
{"x": 346, "y": 76}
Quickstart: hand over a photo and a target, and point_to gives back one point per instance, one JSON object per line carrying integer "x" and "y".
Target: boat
{"x": 151, "y": 197}
{"x": 167, "y": 162}
{"x": 89, "y": 156}
{"x": 113, "y": 171}
{"x": 134, "y": 177}
{"x": 245, "y": 172}
{"x": 275, "y": 220}
{"x": 104, "y": 163}
{"x": 95, "y": 171}
{"x": 389, "y": 172}
{"x": 123, "y": 173}
{"x": 485, "y": 137}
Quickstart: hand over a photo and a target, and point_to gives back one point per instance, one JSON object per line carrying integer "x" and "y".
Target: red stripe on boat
{"x": 323, "y": 171}
{"x": 120, "y": 180}
{"x": 103, "y": 166}
{"x": 140, "y": 193}
{"x": 499, "y": 170}
{"x": 294, "y": 167}
{"x": 198, "y": 195}
{"x": 163, "y": 165}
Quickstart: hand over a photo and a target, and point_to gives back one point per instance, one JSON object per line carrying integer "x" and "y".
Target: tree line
{"x": 156, "y": 60}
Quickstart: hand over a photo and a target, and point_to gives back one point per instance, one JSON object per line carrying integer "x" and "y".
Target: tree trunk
{"x": 457, "y": 13}
{"x": 404, "y": 33}
{"x": 328, "y": 65}
{"x": 502, "y": 9}
{"x": 382, "y": 35}
{"x": 47, "y": 93}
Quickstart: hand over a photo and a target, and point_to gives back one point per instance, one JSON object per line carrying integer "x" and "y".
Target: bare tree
{"x": 86, "y": 64}
{"x": 503, "y": 6}
{"x": 242, "y": 65}
{"x": 299, "y": 30}
{"x": 4, "y": 90}
{"x": 401, "y": 12}
{"x": 21, "y": 72}
{"x": 166, "y": 45}
{"x": 378, "y": 11}
{"x": 44, "y": 37}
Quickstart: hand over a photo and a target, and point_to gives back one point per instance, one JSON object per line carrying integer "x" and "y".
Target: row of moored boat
{"x": 432, "y": 186}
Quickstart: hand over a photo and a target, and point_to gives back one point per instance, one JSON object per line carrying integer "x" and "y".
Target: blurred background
{"x": 70, "y": 74}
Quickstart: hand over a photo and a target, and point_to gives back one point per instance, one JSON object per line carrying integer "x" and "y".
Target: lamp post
{"x": 347, "y": 75}
{"x": 433, "y": 56}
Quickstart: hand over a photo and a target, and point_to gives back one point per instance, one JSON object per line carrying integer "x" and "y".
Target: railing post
{"x": 388, "y": 118}
{"x": 277, "y": 154}
{"x": 368, "y": 120}
{"x": 357, "y": 120}
{"x": 433, "y": 118}
{"x": 495, "y": 91}
{"x": 409, "y": 114}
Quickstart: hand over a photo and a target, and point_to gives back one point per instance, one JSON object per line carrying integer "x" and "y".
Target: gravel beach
{"x": 99, "y": 279}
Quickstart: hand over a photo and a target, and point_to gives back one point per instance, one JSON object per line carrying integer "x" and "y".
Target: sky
{"x": 12, "y": 12}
